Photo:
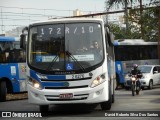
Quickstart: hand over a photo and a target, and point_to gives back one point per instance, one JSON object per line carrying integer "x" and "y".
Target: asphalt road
{"x": 148, "y": 100}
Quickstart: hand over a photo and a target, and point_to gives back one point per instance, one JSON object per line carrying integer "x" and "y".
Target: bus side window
{"x": 21, "y": 57}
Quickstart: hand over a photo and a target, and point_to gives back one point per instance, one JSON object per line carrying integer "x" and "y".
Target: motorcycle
{"x": 134, "y": 85}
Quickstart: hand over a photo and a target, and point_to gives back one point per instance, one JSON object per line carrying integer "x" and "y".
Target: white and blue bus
{"x": 12, "y": 67}
{"x": 63, "y": 67}
{"x": 133, "y": 51}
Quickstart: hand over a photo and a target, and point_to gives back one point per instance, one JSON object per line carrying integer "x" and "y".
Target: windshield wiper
{"x": 52, "y": 63}
{"x": 75, "y": 60}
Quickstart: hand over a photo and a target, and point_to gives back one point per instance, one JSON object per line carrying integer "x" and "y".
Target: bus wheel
{"x": 44, "y": 108}
{"x": 3, "y": 91}
{"x": 107, "y": 105}
{"x": 113, "y": 98}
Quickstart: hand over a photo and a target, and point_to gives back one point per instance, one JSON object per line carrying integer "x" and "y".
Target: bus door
{"x": 119, "y": 71}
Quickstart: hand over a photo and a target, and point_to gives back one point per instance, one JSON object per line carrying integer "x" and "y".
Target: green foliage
{"x": 146, "y": 22}
{"x": 117, "y": 3}
{"x": 120, "y": 33}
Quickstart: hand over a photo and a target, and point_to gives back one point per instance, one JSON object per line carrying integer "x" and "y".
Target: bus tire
{"x": 107, "y": 105}
{"x": 113, "y": 92}
{"x": 44, "y": 108}
{"x": 113, "y": 99}
{"x": 3, "y": 91}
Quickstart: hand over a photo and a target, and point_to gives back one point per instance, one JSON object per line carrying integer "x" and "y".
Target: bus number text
{"x": 77, "y": 76}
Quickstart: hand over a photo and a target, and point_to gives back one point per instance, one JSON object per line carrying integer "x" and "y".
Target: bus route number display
{"x": 60, "y": 30}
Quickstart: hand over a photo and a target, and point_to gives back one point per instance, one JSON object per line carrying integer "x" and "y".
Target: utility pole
{"x": 126, "y": 13}
{"x": 141, "y": 13}
{"x": 1, "y": 21}
{"x": 159, "y": 33}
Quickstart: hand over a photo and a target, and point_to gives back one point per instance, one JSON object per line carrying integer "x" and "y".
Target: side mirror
{"x": 109, "y": 35}
{"x": 155, "y": 72}
{"x": 22, "y": 41}
{"x": 23, "y": 38}
{"x": 111, "y": 38}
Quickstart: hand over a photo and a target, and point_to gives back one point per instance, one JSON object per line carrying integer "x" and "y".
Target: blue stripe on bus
{"x": 33, "y": 75}
{"x": 50, "y": 77}
{"x": 57, "y": 77}
{"x": 53, "y": 84}
{"x": 2, "y": 38}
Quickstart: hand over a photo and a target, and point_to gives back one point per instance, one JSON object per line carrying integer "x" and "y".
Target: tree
{"x": 149, "y": 19}
{"x": 110, "y": 3}
{"x": 119, "y": 32}
{"x": 142, "y": 25}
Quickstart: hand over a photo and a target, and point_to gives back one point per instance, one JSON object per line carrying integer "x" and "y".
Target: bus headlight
{"x": 34, "y": 83}
{"x": 100, "y": 79}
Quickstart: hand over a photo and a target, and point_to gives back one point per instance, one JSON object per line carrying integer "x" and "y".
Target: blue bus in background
{"x": 12, "y": 67}
{"x": 133, "y": 51}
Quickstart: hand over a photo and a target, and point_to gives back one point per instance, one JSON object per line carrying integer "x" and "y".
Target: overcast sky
{"x": 85, "y": 5}
{"x": 11, "y": 14}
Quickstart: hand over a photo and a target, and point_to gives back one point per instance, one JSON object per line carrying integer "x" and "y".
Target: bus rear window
{"x": 124, "y": 53}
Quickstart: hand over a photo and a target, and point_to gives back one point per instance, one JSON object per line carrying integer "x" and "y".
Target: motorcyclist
{"x": 138, "y": 73}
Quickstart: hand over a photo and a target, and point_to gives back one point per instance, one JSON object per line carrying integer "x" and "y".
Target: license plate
{"x": 66, "y": 96}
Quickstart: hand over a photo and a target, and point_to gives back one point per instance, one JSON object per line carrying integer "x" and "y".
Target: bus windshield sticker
{"x": 89, "y": 57}
{"x": 69, "y": 66}
{"x": 40, "y": 58}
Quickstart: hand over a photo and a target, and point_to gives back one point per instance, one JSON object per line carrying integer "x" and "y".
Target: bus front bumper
{"x": 81, "y": 95}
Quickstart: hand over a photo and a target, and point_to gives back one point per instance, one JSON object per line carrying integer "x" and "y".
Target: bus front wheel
{"x": 107, "y": 105}
{"x": 3, "y": 91}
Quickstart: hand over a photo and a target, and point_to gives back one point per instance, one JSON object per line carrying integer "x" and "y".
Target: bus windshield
{"x": 65, "y": 47}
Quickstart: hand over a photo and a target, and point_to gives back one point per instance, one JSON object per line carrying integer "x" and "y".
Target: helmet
{"x": 135, "y": 66}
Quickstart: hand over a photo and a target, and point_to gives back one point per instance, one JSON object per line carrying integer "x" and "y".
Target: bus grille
{"x": 76, "y": 97}
{"x": 46, "y": 80}
{"x": 70, "y": 87}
